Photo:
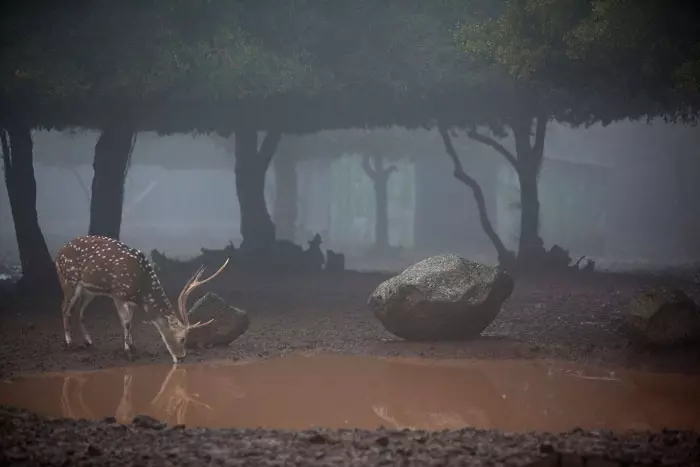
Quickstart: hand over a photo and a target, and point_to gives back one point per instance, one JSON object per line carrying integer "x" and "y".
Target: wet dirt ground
{"x": 572, "y": 319}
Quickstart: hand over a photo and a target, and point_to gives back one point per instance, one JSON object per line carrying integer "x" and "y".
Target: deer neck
{"x": 156, "y": 302}
{"x": 167, "y": 321}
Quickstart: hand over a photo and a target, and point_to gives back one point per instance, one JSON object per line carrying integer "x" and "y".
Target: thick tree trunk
{"x": 286, "y": 197}
{"x": 375, "y": 170}
{"x": 38, "y": 273}
{"x": 529, "y": 162}
{"x": 257, "y": 229}
{"x": 505, "y": 257}
{"x": 530, "y": 245}
{"x": 112, "y": 156}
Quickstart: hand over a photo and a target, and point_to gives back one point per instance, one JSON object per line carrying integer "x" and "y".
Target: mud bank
{"x": 28, "y": 439}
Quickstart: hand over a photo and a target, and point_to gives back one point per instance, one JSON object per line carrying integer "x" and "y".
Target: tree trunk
{"x": 505, "y": 257}
{"x": 381, "y": 227}
{"x": 38, "y": 273}
{"x": 257, "y": 229}
{"x": 529, "y": 162}
{"x": 112, "y": 156}
{"x": 375, "y": 170}
{"x": 530, "y": 245}
{"x": 286, "y": 196}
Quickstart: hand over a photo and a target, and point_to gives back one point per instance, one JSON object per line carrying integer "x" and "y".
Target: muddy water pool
{"x": 302, "y": 391}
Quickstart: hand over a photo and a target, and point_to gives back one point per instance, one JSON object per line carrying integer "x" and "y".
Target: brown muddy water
{"x": 302, "y": 391}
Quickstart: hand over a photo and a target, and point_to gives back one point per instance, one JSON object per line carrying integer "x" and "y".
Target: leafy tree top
{"x": 83, "y": 63}
{"x": 202, "y": 65}
{"x": 615, "y": 58}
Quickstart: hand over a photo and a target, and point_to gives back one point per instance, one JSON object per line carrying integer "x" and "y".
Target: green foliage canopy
{"x": 216, "y": 65}
{"x": 615, "y": 58}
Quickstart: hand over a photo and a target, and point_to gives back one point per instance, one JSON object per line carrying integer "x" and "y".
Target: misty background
{"x": 623, "y": 195}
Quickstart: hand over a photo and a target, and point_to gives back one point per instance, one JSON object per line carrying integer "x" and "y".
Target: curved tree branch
{"x": 488, "y": 141}
{"x": 367, "y": 167}
{"x": 77, "y": 176}
{"x": 462, "y": 176}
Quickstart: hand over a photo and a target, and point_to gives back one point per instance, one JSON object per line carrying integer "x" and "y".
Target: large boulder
{"x": 663, "y": 317}
{"x": 441, "y": 298}
{"x": 229, "y": 322}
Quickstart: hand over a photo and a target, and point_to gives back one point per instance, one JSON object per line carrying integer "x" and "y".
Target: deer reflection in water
{"x": 67, "y": 408}
{"x": 170, "y": 403}
{"x": 173, "y": 398}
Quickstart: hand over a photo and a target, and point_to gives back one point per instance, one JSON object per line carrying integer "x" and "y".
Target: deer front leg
{"x": 87, "y": 298}
{"x": 126, "y": 315}
{"x": 66, "y": 309}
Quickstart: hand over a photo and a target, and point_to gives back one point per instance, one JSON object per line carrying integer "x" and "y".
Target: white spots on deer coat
{"x": 111, "y": 267}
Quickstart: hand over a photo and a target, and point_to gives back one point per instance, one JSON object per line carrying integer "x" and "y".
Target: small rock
{"x": 546, "y": 448}
{"x": 383, "y": 441}
{"x": 663, "y": 317}
{"x": 318, "y": 438}
{"x": 145, "y": 421}
{"x": 229, "y": 322}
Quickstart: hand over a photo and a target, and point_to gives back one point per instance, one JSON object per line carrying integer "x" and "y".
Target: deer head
{"x": 173, "y": 328}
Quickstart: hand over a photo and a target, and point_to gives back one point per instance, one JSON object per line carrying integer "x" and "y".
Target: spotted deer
{"x": 93, "y": 265}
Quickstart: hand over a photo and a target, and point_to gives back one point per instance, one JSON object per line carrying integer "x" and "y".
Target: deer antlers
{"x": 192, "y": 284}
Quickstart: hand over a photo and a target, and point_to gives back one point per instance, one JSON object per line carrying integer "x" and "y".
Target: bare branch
{"x": 488, "y": 141}
{"x": 462, "y": 176}
{"x": 391, "y": 169}
{"x": 141, "y": 197}
{"x": 81, "y": 183}
{"x": 367, "y": 167}
{"x": 450, "y": 149}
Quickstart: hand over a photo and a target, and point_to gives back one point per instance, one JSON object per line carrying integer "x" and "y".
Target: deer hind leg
{"x": 126, "y": 315}
{"x": 66, "y": 309}
{"x": 86, "y": 300}
{"x": 125, "y": 409}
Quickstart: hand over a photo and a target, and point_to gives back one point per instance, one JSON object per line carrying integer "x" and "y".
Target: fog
{"x": 618, "y": 194}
